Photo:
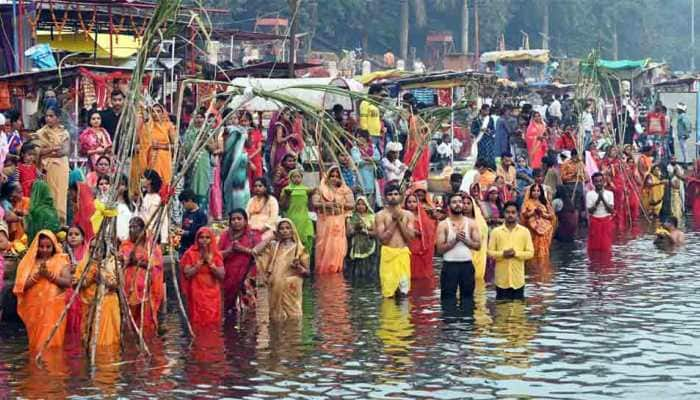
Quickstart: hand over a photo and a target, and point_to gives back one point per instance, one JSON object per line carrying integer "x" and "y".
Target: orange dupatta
{"x": 41, "y": 305}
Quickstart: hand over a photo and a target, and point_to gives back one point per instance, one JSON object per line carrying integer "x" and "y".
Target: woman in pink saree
{"x": 332, "y": 202}
{"x": 536, "y": 140}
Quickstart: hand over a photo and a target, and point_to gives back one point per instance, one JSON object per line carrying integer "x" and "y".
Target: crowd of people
{"x": 249, "y": 223}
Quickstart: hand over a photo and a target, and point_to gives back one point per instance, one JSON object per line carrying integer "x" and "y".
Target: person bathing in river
{"x": 669, "y": 233}
{"x": 394, "y": 229}
{"x": 600, "y": 205}
{"x": 457, "y": 237}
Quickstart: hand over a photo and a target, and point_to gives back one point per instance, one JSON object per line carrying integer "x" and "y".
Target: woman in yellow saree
{"x": 538, "y": 216}
{"x": 54, "y": 144}
{"x": 43, "y": 275}
{"x": 283, "y": 263}
{"x": 472, "y": 210}
{"x": 108, "y": 331}
{"x": 653, "y": 192}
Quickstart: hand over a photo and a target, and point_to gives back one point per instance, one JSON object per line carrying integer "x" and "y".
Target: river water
{"x": 626, "y": 327}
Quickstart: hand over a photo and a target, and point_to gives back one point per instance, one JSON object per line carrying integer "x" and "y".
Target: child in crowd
{"x": 193, "y": 219}
{"x": 27, "y": 169}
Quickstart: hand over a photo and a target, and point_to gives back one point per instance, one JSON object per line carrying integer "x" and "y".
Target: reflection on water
{"x": 621, "y": 325}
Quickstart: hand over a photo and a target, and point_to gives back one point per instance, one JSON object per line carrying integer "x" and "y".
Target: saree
{"x": 109, "y": 330}
{"x": 422, "y": 247}
{"x": 292, "y": 146}
{"x": 238, "y": 266}
{"x": 253, "y": 149}
{"x": 395, "y": 270}
{"x": 200, "y": 174}
{"x": 536, "y": 147}
{"x": 202, "y": 291}
{"x": 298, "y": 212}
{"x": 92, "y": 139}
{"x": 74, "y": 319}
{"x": 362, "y": 245}
{"x": 414, "y": 150}
{"x": 56, "y": 168}
{"x": 331, "y": 239}
{"x": 479, "y": 257}
{"x": 652, "y": 194}
{"x": 234, "y": 171}
{"x": 42, "y": 214}
{"x": 41, "y": 305}
{"x": 158, "y": 160}
{"x": 284, "y": 282}
{"x": 17, "y": 229}
{"x": 541, "y": 226}
{"x": 262, "y": 212}
{"x": 280, "y": 179}
{"x": 135, "y": 285}
{"x": 677, "y": 206}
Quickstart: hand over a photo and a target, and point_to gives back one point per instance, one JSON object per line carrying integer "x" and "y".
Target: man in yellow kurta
{"x": 511, "y": 245}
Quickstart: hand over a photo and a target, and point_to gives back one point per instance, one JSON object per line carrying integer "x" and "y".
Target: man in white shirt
{"x": 555, "y": 110}
{"x": 394, "y": 169}
{"x": 600, "y": 205}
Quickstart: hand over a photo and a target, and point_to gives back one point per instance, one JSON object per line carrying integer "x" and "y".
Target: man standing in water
{"x": 511, "y": 245}
{"x": 394, "y": 227}
{"x": 599, "y": 203}
{"x": 456, "y": 238}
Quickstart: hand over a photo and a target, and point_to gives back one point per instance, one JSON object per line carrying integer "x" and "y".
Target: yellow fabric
{"x": 56, "y": 168}
{"x": 510, "y": 272}
{"x": 101, "y": 212}
{"x": 395, "y": 270}
{"x": 366, "y": 79}
{"x": 123, "y": 46}
{"x": 479, "y": 257}
{"x": 369, "y": 118}
{"x": 652, "y": 196}
{"x": 110, "y": 317}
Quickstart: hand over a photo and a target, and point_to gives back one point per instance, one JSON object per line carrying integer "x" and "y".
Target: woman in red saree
{"x": 42, "y": 277}
{"x": 614, "y": 169}
{"x": 253, "y": 147}
{"x": 633, "y": 187}
{"x": 201, "y": 273}
{"x": 538, "y": 216}
{"x": 423, "y": 245}
{"x": 236, "y": 247}
{"x": 536, "y": 141}
{"x": 332, "y": 202}
{"x": 143, "y": 292}
{"x": 415, "y": 144}
{"x": 94, "y": 140}
{"x": 77, "y": 249}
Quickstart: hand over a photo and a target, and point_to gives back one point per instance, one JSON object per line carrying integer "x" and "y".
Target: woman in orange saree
{"x": 423, "y": 245}
{"x": 157, "y": 135}
{"x": 332, "y": 202}
{"x": 536, "y": 141}
{"x": 43, "y": 275}
{"x": 142, "y": 289}
{"x": 201, "y": 273}
{"x": 538, "y": 216}
{"x": 282, "y": 264}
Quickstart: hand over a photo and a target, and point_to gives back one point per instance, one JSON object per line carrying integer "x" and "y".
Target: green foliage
{"x": 659, "y": 29}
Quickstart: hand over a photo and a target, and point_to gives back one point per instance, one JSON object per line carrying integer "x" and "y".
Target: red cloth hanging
{"x": 102, "y": 90}
{"x": 5, "y": 103}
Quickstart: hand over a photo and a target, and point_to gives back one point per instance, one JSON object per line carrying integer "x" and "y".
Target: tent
{"x": 123, "y": 46}
{"x": 539, "y": 56}
{"x": 292, "y": 87}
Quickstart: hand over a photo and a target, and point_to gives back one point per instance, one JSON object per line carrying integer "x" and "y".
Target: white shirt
{"x": 600, "y": 211}
{"x": 444, "y": 150}
{"x": 393, "y": 171}
{"x": 555, "y": 109}
{"x": 587, "y": 121}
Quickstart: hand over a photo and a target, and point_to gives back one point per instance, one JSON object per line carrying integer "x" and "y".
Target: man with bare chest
{"x": 395, "y": 228}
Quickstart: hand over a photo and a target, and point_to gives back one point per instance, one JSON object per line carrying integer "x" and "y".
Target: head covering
{"x": 681, "y": 107}
{"x": 42, "y": 212}
{"x": 192, "y": 256}
{"x": 299, "y": 246}
{"x": 394, "y": 146}
{"x": 325, "y": 189}
{"x": 28, "y": 264}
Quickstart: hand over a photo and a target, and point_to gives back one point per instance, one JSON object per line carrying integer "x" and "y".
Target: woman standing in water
{"x": 284, "y": 264}
{"x": 363, "y": 245}
{"x": 42, "y": 277}
{"x": 538, "y": 216}
{"x": 294, "y": 200}
{"x": 332, "y": 201}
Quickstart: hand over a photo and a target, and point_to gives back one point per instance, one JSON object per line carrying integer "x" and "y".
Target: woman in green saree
{"x": 363, "y": 245}
{"x": 294, "y": 200}
{"x": 42, "y": 212}
{"x": 198, "y": 178}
